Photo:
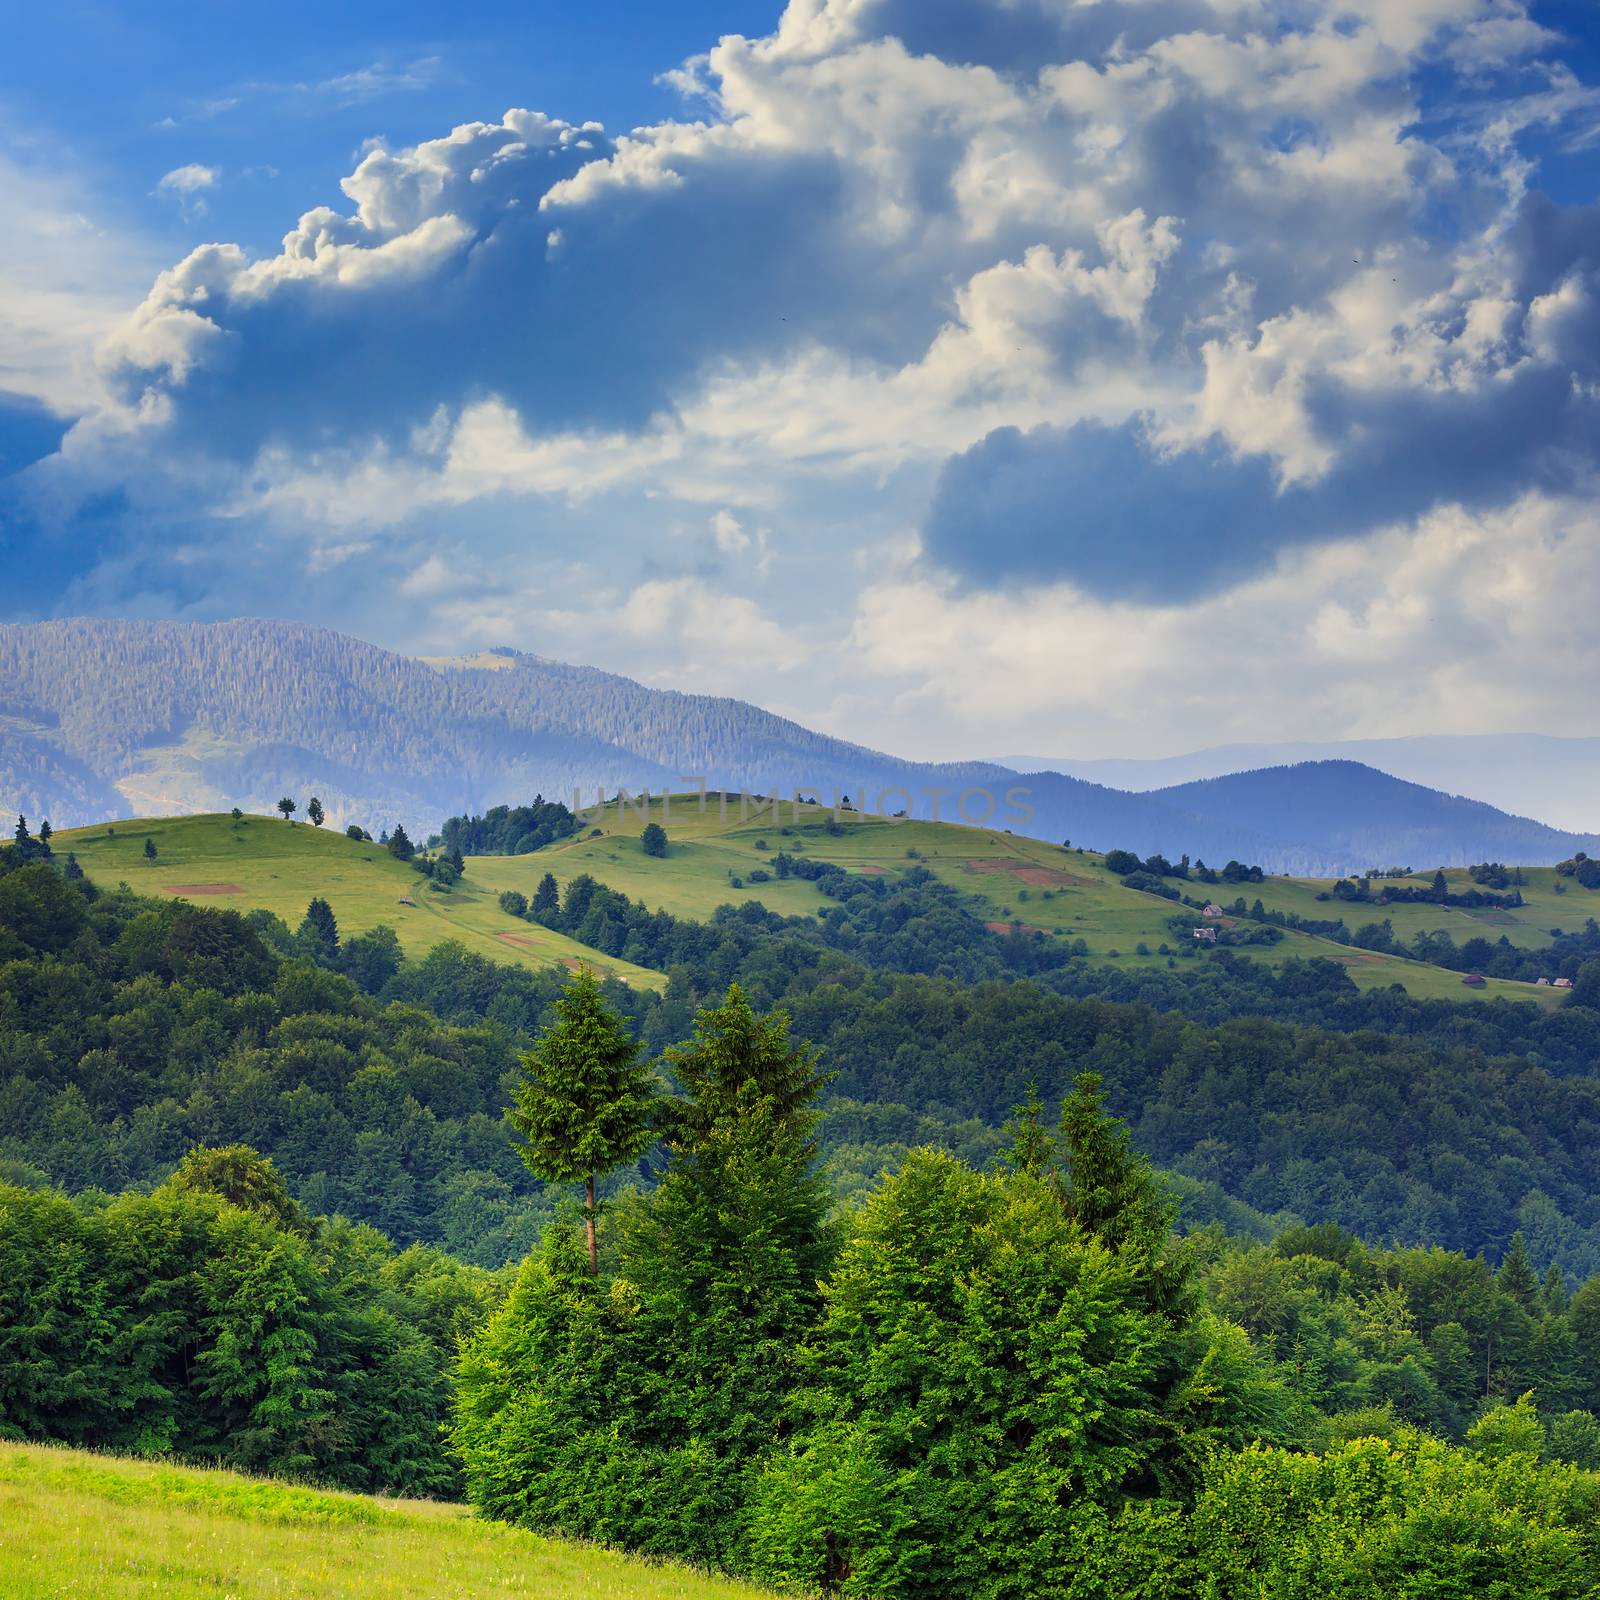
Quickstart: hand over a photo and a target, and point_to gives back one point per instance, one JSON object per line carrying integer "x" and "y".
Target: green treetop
{"x": 584, "y": 1100}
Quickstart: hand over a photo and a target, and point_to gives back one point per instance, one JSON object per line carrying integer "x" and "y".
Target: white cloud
{"x": 66, "y": 281}
{"x": 1456, "y": 626}
{"x": 700, "y": 381}
{"x": 190, "y": 178}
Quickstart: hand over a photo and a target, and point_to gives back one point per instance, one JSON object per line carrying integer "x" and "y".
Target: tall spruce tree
{"x": 1516, "y": 1276}
{"x": 584, "y": 1100}
{"x": 1115, "y": 1196}
{"x": 318, "y": 934}
{"x": 547, "y": 897}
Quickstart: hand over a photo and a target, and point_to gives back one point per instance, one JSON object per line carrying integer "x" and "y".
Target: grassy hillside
{"x": 711, "y": 859}
{"x": 1528, "y": 927}
{"x": 84, "y": 1527}
{"x": 1003, "y": 877}
{"x": 279, "y": 866}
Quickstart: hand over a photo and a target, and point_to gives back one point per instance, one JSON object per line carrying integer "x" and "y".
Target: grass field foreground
{"x": 75, "y": 1526}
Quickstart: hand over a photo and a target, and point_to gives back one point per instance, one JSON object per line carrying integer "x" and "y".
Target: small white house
{"x": 1208, "y": 934}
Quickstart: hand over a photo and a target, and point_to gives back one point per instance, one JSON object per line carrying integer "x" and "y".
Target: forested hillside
{"x": 188, "y": 1092}
{"x": 111, "y": 718}
{"x": 131, "y": 1029}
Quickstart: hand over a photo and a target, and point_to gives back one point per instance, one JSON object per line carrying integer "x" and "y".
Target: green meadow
{"x": 714, "y": 857}
{"x": 279, "y": 866}
{"x": 1002, "y": 877}
{"x": 76, "y": 1526}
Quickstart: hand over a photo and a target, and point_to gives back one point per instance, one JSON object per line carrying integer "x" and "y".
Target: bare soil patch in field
{"x": 1039, "y": 877}
{"x": 873, "y": 872}
{"x": 204, "y": 888}
{"x": 1005, "y": 927}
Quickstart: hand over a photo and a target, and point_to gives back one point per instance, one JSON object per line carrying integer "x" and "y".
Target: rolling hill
{"x": 718, "y": 857}
{"x": 107, "y": 719}
{"x": 276, "y": 866}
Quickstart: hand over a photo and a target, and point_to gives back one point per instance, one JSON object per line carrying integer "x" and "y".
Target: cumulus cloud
{"x": 1455, "y": 626}
{"x": 1027, "y": 310}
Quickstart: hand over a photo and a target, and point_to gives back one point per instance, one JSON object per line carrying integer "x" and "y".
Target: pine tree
{"x": 1114, "y": 1195}
{"x": 1516, "y": 1276}
{"x": 45, "y": 831}
{"x": 1033, "y": 1150}
{"x": 584, "y": 1100}
{"x": 150, "y": 849}
{"x": 318, "y": 933}
{"x": 1553, "y": 1292}
{"x": 400, "y": 846}
{"x": 547, "y": 897}
{"x": 1441, "y": 888}
{"x": 737, "y": 1058}
{"x": 20, "y": 833}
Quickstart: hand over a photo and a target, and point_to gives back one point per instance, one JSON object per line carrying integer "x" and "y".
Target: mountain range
{"x": 102, "y": 719}
{"x": 1553, "y": 776}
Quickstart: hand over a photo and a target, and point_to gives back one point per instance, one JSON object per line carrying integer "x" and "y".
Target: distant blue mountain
{"x": 114, "y": 718}
{"x": 1555, "y": 777}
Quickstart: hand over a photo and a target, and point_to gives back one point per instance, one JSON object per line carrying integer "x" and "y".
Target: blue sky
{"x": 954, "y": 375}
{"x": 282, "y": 98}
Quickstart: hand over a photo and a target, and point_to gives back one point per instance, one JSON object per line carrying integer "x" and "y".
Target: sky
{"x": 1103, "y": 377}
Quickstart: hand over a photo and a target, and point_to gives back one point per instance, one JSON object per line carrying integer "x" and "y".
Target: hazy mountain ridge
{"x": 1555, "y": 777}
{"x": 107, "y": 718}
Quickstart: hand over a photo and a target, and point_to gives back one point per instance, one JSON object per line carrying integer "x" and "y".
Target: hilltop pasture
{"x": 718, "y": 851}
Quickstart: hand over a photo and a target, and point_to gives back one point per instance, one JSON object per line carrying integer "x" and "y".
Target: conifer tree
{"x": 1033, "y": 1150}
{"x": 318, "y": 933}
{"x": 547, "y": 897}
{"x": 1115, "y": 1196}
{"x": 1516, "y": 1276}
{"x": 584, "y": 1100}
{"x": 150, "y": 850}
{"x": 314, "y": 812}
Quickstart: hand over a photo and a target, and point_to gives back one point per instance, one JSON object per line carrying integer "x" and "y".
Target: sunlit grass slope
{"x": 75, "y": 1526}
{"x": 1003, "y": 877}
{"x": 279, "y": 866}
{"x": 715, "y": 850}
